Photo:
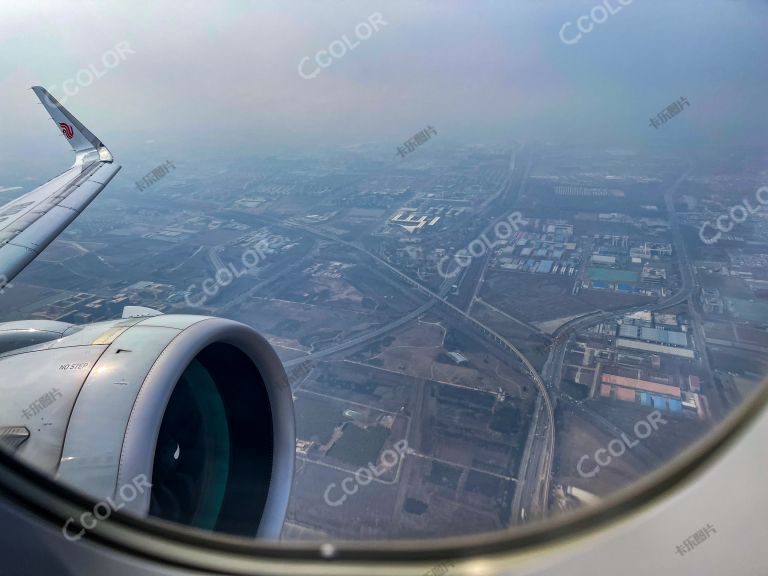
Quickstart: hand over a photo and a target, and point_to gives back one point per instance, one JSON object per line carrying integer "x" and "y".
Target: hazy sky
{"x": 216, "y": 76}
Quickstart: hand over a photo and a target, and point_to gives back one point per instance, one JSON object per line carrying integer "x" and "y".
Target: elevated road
{"x": 543, "y": 431}
{"x": 532, "y": 497}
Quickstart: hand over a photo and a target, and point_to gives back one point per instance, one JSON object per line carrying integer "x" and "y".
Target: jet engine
{"x": 196, "y": 410}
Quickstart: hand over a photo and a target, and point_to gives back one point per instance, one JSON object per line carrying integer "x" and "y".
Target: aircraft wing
{"x": 31, "y": 222}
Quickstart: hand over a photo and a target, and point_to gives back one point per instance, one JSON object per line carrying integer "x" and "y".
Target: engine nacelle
{"x": 198, "y": 406}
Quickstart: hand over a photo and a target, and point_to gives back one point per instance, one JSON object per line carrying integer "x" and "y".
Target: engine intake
{"x": 201, "y": 406}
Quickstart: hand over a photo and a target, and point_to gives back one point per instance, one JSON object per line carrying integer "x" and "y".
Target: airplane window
{"x": 372, "y": 271}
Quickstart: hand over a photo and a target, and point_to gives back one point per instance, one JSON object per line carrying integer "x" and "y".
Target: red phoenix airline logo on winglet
{"x": 66, "y": 129}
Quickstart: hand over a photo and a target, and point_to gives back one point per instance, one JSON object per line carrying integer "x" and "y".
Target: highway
{"x": 532, "y": 496}
{"x": 351, "y": 343}
{"x": 536, "y": 486}
{"x": 535, "y": 475}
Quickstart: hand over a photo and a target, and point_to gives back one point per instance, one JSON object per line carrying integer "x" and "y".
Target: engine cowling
{"x": 197, "y": 408}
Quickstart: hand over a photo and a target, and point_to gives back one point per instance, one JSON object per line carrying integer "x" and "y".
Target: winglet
{"x": 82, "y": 140}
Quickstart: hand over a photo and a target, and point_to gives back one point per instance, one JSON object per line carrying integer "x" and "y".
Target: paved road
{"x": 534, "y": 492}
{"x": 362, "y": 338}
{"x": 544, "y": 436}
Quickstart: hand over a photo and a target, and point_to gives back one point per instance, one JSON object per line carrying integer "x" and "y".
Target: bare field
{"x": 541, "y": 297}
{"x": 580, "y": 435}
{"x": 577, "y": 437}
{"x": 344, "y": 284}
{"x": 361, "y": 384}
{"x": 304, "y": 326}
{"x": 486, "y": 369}
{"x": 532, "y": 297}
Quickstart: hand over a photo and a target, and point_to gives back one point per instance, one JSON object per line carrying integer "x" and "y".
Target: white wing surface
{"x": 31, "y": 222}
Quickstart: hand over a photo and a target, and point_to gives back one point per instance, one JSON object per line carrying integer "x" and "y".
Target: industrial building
{"x": 657, "y": 348}
{"x": 711, "y": 301}
{"x": 656, "y": 335}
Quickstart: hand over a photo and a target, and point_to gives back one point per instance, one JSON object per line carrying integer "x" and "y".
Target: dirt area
{"x": 305, "y": 327}
{"x": 420, "y": 350}
{"x": 540, "y": 297}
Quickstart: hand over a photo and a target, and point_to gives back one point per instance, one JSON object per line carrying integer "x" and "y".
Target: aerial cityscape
{"x": 476, "y": 336}
{"x": 434, "y": 287}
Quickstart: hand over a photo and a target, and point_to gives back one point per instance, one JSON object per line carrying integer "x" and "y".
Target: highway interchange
{"x": 534, "y": 476}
